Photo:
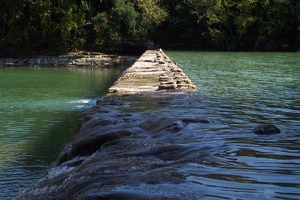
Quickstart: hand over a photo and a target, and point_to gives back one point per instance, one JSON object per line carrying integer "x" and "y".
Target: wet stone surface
{"x": 133, "y": 147}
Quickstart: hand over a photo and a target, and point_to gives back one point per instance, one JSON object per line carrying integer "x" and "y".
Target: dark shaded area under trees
{"x": 30, "y": 27}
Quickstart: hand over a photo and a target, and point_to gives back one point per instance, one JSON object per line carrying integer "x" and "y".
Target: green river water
{"x": 247, "y": 89}
{"x": 41, "y": 110}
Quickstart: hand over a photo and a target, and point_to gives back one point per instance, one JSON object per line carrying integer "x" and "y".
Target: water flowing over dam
{"x": 126, "y": 149}
{"x": 154, "y": 136}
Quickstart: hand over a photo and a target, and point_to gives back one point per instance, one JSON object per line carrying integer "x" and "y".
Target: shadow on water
{"x": 45, "y": 149}
{"x": 37, "y": 152}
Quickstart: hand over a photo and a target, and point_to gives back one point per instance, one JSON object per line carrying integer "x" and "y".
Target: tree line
{"x": 57, "y": 26}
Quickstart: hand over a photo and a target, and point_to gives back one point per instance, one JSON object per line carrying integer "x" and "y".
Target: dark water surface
{"x": 40, "y": 111}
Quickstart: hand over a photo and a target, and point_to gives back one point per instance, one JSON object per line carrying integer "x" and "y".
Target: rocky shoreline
{"x": 79, "y": 59}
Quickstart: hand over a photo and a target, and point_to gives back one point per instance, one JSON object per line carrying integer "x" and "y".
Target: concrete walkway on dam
{"x": 136, "y": 143}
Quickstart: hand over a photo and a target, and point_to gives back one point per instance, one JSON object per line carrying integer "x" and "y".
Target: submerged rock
{"x": 162, "y": 124}
{"x": 266, "y": 129}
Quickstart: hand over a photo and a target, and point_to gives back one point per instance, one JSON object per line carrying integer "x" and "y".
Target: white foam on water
{"x": 58, "y": 171}
{"x": 82, "y": 103}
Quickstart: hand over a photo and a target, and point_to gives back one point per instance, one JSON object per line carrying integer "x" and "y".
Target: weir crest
{"x": 136, "y": 142}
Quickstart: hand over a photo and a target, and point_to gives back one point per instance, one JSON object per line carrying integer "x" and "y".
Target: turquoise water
{"x": 40, "y": 111}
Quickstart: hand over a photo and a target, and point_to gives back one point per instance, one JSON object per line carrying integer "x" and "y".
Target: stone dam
{"x": 146, "y": 139}
{"x": 153, "y": 71}
{"x": 130, "y": 145}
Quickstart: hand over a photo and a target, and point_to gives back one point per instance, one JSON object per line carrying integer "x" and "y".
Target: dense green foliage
{"x": 31, "y": 26}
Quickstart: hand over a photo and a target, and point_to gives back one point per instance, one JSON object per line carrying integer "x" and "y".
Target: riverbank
{"x": 74, "y": 59}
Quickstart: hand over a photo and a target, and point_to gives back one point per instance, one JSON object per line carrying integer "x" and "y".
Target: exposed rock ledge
{"x": 82, "y": 59}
